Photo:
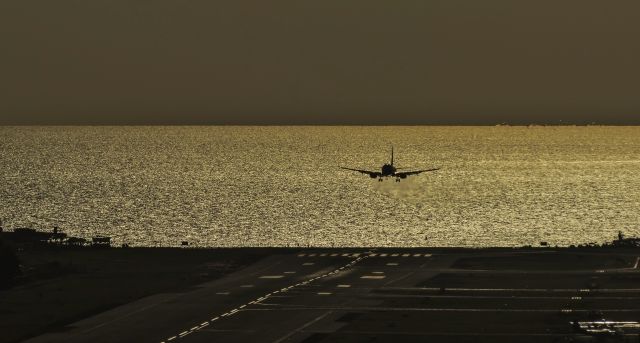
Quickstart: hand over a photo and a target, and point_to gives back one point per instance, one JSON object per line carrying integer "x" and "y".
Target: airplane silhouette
{"x": 389, "y": 170}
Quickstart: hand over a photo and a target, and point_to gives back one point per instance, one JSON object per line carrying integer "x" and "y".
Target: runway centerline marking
{"x": 308, "y": 264}
{"x": 344, "y": 286}
{"x": 373, "y": 277}
{"x": 392, "y": 264}
{"x": 271, "y": 276}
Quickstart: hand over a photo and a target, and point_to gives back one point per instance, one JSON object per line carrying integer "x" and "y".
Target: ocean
{"x": 230, "y": 186}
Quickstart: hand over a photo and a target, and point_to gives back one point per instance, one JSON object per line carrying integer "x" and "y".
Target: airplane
{"x": 389, "y": 170}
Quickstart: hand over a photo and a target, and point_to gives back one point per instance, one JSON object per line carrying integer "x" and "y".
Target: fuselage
{"x": 388, "y": 170}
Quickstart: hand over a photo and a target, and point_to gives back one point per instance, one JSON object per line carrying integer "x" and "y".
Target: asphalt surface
{"x": 367, "y": 297}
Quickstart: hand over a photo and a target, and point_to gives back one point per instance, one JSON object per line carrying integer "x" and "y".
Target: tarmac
{"x": 387, "y": 296}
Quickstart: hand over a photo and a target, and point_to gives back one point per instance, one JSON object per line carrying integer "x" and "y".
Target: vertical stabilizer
{"x": 392, "y": 155}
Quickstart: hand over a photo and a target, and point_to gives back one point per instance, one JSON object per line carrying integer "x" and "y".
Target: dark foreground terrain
{"x": 314, "y": 295}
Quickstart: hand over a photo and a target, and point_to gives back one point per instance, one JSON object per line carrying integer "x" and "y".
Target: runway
{"x": 369, "y": 297}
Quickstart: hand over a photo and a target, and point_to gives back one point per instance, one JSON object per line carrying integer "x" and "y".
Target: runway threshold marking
{"x": 266, "y": 296}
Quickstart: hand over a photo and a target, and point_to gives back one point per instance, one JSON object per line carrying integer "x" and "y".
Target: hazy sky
{"x": 323, "y": 61}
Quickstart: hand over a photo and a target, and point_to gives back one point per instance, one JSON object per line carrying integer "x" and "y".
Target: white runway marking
{"x": 289, "y": 272}
{"x": 308, "y": 264}
{"x": 246, "y": 286}
{"x": 236, "y": 310}
{"x": 377, "y": 272}
{"x": 392, "y": 264}
{"x": 394, "y": 255}
{"x": 383, "y": 255}
{"x": 344, "y": 286}
{"x": 376, "y": 277}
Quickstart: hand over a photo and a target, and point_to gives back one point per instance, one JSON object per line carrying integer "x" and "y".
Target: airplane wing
{"x": 370, "y": 173}
{"x": 415, "y": 172}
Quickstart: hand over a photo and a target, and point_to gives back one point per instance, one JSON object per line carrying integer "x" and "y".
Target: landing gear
{"x": 397, "y": 179}
{"x": 380, "y": 180}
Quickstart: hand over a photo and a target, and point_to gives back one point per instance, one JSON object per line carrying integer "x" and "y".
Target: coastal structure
{"x": 622, "y": 241}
